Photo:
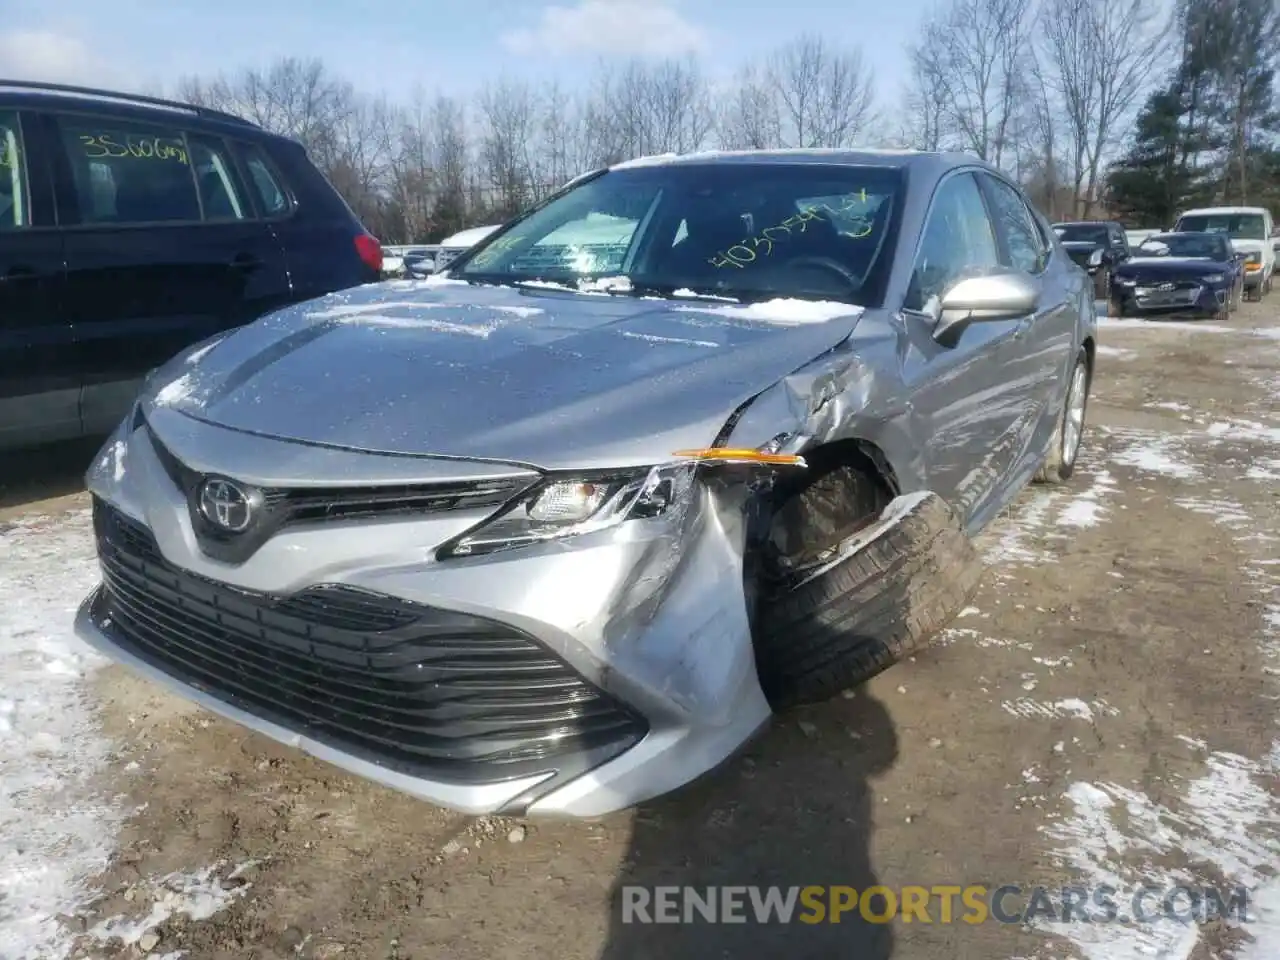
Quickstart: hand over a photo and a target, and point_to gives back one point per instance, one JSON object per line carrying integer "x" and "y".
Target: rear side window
{"x": 14, "y": 209}
{"x": 265, "y": 183}
{"x": 130, "y": 173}
{"x": 219, "y": 196}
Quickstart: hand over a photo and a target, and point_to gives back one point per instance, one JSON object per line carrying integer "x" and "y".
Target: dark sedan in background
{"x": 1175, "y": 274}
{"x": 1098, "y": 246}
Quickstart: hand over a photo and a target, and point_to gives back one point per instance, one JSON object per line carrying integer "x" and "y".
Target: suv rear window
{"x": 272, "y": 199}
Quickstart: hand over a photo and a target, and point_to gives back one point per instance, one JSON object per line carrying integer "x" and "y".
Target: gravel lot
{"x": 1105, "y": 712}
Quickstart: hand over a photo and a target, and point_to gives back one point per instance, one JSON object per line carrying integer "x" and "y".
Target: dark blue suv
{"x": 132, "y": 227}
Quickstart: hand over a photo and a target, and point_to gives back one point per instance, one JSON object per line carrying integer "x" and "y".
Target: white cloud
{"x": 643, "y": 28}
{"x": 54, "y": 57}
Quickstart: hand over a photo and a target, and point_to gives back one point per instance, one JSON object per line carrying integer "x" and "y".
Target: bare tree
{"x": 974, "y": 57}
{"x": 508, "y": 135}
{"x": 1099, "y": 58}
{"x": 827, "y": 96}
{"x": 647, "y": 107}
{"x": 925, "y": 123}
{"x": 298, "y": 98}
{"x": 750, "y": 117}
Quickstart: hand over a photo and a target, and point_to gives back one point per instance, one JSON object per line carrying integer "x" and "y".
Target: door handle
{"x": 245, "y": 261}
{"x": 21, "y": 273}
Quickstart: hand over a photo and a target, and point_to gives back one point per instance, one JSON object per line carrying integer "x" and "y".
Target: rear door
{"x": 1034, "y": 360}
{"x": 960, "y": 388}
{"x": 163, "y": 248}
{"x": 39, "y": 375}
{"x": 314, "y": 225}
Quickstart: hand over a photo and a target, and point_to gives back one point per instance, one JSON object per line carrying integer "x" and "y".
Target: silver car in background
{"x": 557, "y": 531}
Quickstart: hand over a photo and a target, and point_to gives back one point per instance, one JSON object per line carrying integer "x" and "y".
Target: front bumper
{"x": 1197, "y": 300}
{"x": 563, "y": 679}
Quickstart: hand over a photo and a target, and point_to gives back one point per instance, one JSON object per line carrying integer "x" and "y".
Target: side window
{"x": 957, "y": 239}
{"x": 14, "y": 209}
{"x": 219, "y": 196}
{"x": 1027, "y": 250}
{"x": 130, "y": 173}
{"x": 272, "y": 199}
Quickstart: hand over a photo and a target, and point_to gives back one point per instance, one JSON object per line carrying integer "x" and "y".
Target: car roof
{"x": 24, "y": 94}
{"x": 1087, "y": 223}
{"x": 934, "y": 162}
{"x": 1206, "y": 211}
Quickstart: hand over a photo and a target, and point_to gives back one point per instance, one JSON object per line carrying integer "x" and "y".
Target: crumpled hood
{"x": 534, "y": 376}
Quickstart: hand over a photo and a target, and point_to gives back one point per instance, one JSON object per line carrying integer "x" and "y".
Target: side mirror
{"x": 1006, "y": 295}
{"x": 1240, "y": 256}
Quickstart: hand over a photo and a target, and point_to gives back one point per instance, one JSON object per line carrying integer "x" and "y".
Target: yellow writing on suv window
{"x": 761, "y": 245}
{"x": 141, "y": 148}
{"x": 8, "y": 156}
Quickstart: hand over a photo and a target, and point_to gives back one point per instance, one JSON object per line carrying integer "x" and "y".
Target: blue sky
{"x": 447, "y": 45}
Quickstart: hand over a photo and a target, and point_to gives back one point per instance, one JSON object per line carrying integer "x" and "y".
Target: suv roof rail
{"x": 125, "y": 98}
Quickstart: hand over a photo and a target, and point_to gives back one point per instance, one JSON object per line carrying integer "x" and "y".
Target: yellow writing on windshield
{"x": 855, "y": 224}
{"x": 142, "y": 148}
{"x": 8, "y": 156}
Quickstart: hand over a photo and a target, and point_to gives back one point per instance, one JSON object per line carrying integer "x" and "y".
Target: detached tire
{"x": 870, "y": 609}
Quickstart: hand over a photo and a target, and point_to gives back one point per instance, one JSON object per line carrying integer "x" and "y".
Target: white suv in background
{"x": 1250, "y": 230}
{"x": 460, "y": 243}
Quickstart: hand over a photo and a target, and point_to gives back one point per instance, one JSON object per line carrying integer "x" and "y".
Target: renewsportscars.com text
{"x": 943, "y": 904}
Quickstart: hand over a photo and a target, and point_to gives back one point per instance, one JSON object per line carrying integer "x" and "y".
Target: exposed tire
{"x": 1063, "y": 451}
{"x": 869, "y": 609}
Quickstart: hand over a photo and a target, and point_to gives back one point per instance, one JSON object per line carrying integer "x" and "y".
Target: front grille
{"x": 413, "y": 688}
{"x": 1155, "y": 283}
{"x": 286, "y": 507}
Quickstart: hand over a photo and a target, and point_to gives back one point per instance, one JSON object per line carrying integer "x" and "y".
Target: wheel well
{"x": 1090, "y": 349}
{"x": 807, "y": 513}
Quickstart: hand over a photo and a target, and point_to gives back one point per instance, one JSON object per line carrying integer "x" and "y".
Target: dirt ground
{"x": 1106, "y": 709}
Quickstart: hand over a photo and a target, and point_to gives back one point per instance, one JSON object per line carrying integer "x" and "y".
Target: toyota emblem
{"x": 226, "y": 505}
{"x": 1165, "y": 286}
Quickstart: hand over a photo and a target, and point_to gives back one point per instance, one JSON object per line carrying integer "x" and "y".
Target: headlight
{"x": 1126, "y": 281}
{"x": 1095, "y": 258}
{"x": 1214, "y": 277}
{"x": 560, "y": 508}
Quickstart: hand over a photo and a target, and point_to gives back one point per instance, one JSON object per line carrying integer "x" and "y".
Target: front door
{"x": 1034, "y": 362}
{"x": 163, "y": 250}
{"x": 958, "y": 388}
{"x": 39, "y": 376}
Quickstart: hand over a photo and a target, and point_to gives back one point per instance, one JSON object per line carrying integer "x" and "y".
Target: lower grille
{"x": 413, "y": 688}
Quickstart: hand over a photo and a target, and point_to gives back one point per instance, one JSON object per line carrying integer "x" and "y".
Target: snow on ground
{"x": 55, "y": 831}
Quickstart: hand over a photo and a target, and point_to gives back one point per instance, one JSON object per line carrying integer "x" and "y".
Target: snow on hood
{"x": 549, "y": 378}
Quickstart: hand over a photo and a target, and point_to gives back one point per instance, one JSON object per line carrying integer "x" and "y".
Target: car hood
{"x": 1171, "y": 266}
{"x": 543, "y": 377}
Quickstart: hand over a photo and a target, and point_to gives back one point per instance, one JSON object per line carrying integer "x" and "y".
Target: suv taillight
{"x": 370, "y": 251}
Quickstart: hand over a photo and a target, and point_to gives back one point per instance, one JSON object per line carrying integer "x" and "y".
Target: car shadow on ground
{"x": 797, "y": 810}
{"x": 42, "y": 473}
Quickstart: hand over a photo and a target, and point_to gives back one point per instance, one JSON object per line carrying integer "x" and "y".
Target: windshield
{"x": 1082, "y": 233}
{"x": 741, "y": 230}
{"x": 1238, "y": 226}
{"x": 1208, "y": 245}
